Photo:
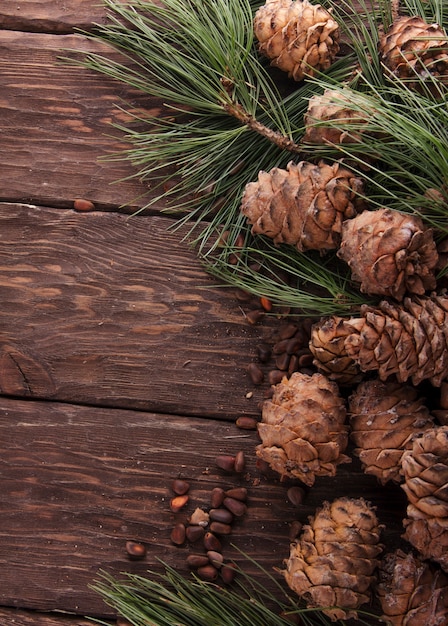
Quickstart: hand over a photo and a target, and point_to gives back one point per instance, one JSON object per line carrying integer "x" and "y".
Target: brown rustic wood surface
{"x": 122, "y": 364}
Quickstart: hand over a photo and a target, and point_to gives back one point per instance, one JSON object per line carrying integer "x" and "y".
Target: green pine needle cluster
{"x": 171, "y": 599}
{"x": 228, "y": 115}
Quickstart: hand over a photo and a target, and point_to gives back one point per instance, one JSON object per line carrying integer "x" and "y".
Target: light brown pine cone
{"x": 412, "y": 592}
{"x": 389, "y": 253}
{"x": 425, "y": 471}
{"x": 302, "y": 431}
{"x": 298, "y": 36}
{"x": 304, "y": 205}
{"x": 332, "y": 563}
{"x": 384, "y": 418}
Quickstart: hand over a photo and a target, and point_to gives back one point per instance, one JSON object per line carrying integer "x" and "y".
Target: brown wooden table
{"x": 122, "y": 364}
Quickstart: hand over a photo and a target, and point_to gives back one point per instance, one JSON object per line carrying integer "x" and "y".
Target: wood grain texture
{"x": 104, "y": 309}
{"x": 56, "y": 126}
{"x": 51, "y": 16}
{"x": 77, "y": 482}
{"x": 18, "y": 617}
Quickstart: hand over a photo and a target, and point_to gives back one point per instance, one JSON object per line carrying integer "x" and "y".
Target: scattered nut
{"x": 211, "y": 542}
{"x": 221, "y": 515}
{"x": 194, "y": 533}
{"x": 135, "y": 549}
{"x": 225, "y": 462}
{"x": 246, "y": 423}
{"x": 219, "y": 528}
{"x": 237, "y": 507}
{"x": 217, "y": 497}
{"x": 228, "y": 573}
{"x": 296, "y": 495}
{"x": 240, "y": 462}
{"x": 207, "y": 573}
{"x": 215, "y": 558}
{"x": 197, "y": 560}
{"x": 239, "y": 493}
{"x": 178, "y": 503}
{"x": 80, "y": 204}
{"x": 180, "y": 487}
{"x": 178, "y": 534}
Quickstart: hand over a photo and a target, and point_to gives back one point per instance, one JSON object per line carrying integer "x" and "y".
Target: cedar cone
{"x": 327, "y": 344}
{"x": 303, "y": 205}
{"x": 384, "y": 418}
{"x": 331, "y": 564}
{"x": 415, "y": 52}
{"x": 408, "y": 340}
{"x": 390, "y": 253}
{"x": 412, "y": 592}
{"x": 425, "y": 471}
{"x": 302, "y": 430}
{"x": 298, "y": 36}
{"x": 332, "y": 118}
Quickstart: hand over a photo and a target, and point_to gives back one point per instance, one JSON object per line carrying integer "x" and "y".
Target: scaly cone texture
{"x": 298, "y": 36}
{"x": 425, "y": 471}
{"x": 303, "y": 205}
{"x": 327, "y": 344}
{"x": 389, "y": 253}
{"x": 333, "y": 561}
{"x": 332, "y": 118}
{"x": 415, "y": 52}
{"x": 408, "y": 340}
{"x": 383, "y": 419}
{"x": 412, "y": 592}
{"x": 302, "y": 432}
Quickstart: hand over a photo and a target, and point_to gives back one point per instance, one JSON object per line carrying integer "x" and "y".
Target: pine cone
{"x": 333, "y": 561}
{"x": 390, "y": 253}
{"x": 416, "y": 52}
{"x": 412, "y": 592}
{"x": 302, "y": 430}
{"x": 384, "y": 419}
{"x": 298, "y": 36}
{"x": 332, "y": 118}
{"x": 425, "y": 471}
{"x": 408, "y": 340}
{"x": 303, "y": 205}
{"x": 327, "y": 344}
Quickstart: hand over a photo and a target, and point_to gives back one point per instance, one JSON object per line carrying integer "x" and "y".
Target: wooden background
{"x": 122, "y": 364}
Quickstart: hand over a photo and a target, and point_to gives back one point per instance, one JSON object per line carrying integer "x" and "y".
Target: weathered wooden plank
{"x": 78, "y": 482}
{"x": 18, "y": 617}
{"x": 111, "y": 310}
{"x": 56, "y": 126}
{"x": 51, "y": 16}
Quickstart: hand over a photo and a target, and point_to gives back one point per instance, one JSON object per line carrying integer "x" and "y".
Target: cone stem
{"x": 236, "y": 110}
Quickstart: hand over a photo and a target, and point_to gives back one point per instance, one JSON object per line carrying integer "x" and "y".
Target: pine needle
{"x": 171, "y": 599}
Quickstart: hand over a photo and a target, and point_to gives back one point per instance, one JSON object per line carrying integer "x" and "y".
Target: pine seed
{"x": 207, "y": 573}
{"x": 135, "y": 549}
{"x": 219, "y": 528}
{"x": 178, "y": 503}
{"x": 282, "y": 361}
{"x": 211, "y": 542}
{"x": 221, "y": 515}
{"x": 253, "y": 317}
{"x": 215, "y": 558}
{"x": 264, "y": 352}
{"x": 197, "y": 560}
{"x": 194, "y": 533}
{"x": 178, "y": 534}
{"x": 236, "y": 507}
{"x": 80, "y": 204}
{"x": 238, "y": 493}
{"x": 180, "y": 487}
{"x": 228, "y": 573}
{"x": 296, "y": 495}
{"x": 246, "y": 423}
{"x": 225, "y": 462}
{"x": 240, "y": 462}
{"x": 216, "y": 497}
{"x": 287, "y": 331}
{"x": 255, "y": 373}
